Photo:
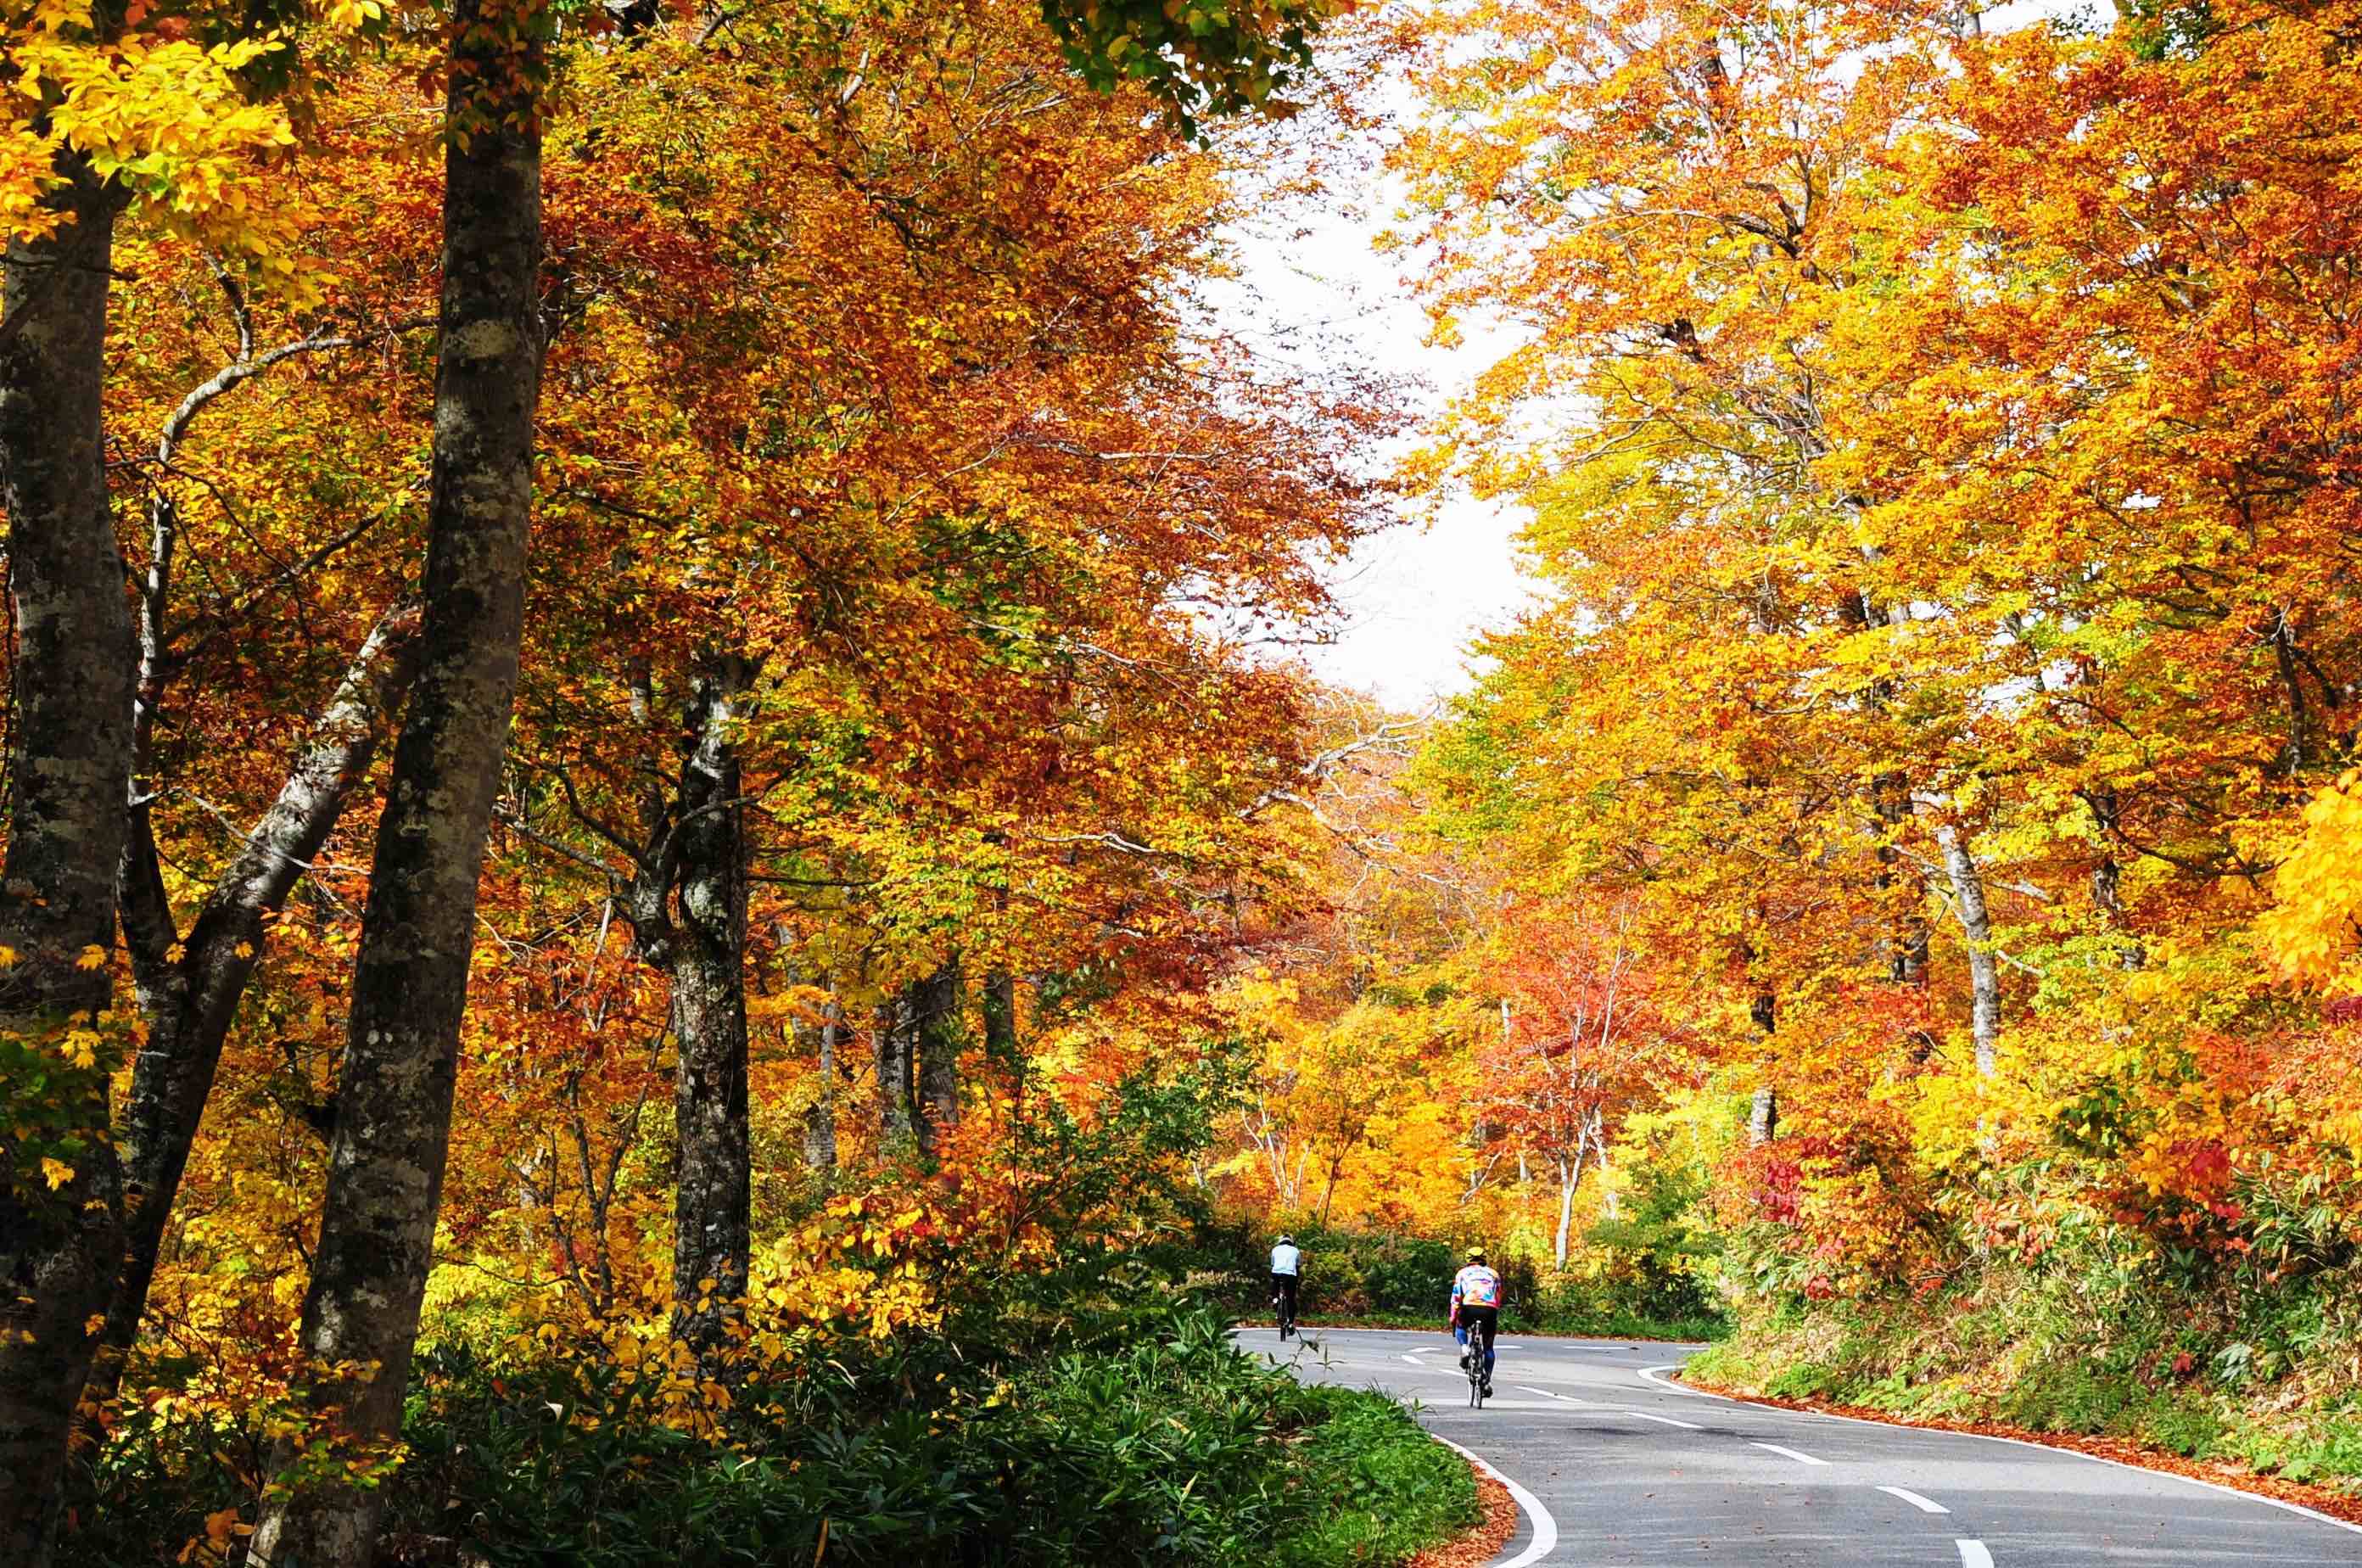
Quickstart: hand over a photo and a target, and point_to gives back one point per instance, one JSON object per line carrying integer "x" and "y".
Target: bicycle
{"x": 1285, "y": 1309}
{"x": 1472, "y": 1363}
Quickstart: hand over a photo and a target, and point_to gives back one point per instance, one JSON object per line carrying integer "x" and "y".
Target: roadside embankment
{"x": 2169, "y": 1386}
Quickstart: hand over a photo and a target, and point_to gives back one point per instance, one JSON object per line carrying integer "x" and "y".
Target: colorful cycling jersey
{"x": 1476, "y": 1286}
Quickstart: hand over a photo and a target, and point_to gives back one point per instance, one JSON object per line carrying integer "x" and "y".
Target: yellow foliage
{"x": 2312, "y": 928}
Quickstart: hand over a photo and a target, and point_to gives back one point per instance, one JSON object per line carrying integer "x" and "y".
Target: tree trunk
{"x": 2107, "y": 877}
{"x": 1976, "y": 926}
{"x": 1609, "y": 1206}
{"x": 1569, "y": 1176}
{"x": 891, "y": 1052}
{"x": 1906, "y": 942}
{"x": 410, "y": 978}
{"x": 191, "y": 1003}
{"x": 999, "y": 1006}
{"x": 1763, "y": 1115}
{"x": 937, "y": 1032}
{"x": 69, "y": 765}
{"x": 819, "y": 1122}
{"x": 712, "y": 1191}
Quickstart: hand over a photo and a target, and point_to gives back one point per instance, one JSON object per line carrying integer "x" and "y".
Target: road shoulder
{"x": 2320, "y": 1502}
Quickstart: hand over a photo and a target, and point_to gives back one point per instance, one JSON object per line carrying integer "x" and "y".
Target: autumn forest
{"x": 676, "y": 889}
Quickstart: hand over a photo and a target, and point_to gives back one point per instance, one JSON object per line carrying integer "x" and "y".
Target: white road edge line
{"x": 2314, "y": 1514}
{"x": 1924, "y": 1505}
{"x": 1973, "y": 1554}
{"x": 1413, "y": 1359}
{"x": 1545, "y": 1540}
{"x": 1789, "y": 1452}
{"x": 1648, "y": 1374}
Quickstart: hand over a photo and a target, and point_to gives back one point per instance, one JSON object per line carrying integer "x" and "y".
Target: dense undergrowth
{"x": 2266, "y": 1375}
{"x": 1147, "y": 1438}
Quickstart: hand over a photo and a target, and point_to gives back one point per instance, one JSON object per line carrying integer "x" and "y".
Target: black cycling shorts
{"x": 1481, "y": 1321}
{"x": 1284, "y": 1285}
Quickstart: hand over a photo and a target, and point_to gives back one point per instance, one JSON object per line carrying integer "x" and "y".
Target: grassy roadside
{"x": 2021, "y": 1355}
{"x": 1383, "y": 1490}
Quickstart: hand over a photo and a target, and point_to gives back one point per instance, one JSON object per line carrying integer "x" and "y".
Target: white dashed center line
{"x": 1665, "y": 1420}
{"x": 1973, "y": 1554}
{"x": 1610, "y": 1409}
{"x": 1914, "y": 1499}
{"x": 1792, "y": 1453}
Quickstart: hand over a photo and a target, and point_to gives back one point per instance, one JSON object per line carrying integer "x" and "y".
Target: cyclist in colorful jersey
{"x": 1476, "y": 1312}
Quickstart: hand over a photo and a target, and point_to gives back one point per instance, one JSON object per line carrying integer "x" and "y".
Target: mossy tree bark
{"x": 392, "y": 1128}
{"x": 713, "y": 1188}
{"x": 69, "y": 767}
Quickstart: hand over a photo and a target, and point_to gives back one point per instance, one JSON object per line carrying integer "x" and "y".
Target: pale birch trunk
{"x": 1976, "y": 928}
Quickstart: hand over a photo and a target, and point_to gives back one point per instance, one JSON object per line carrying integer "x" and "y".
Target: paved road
{"x": 1624, "y": 1467}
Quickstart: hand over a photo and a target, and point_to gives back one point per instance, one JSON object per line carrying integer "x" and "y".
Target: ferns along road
{"x": 1621, "y": 1466}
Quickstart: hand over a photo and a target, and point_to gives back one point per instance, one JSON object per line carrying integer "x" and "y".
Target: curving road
{"x": 1618, "y": 1466}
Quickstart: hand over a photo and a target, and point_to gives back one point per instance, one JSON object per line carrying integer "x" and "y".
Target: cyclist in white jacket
{"x": 1286, "y": 1266}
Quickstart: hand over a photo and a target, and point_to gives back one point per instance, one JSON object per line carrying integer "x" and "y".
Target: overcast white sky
{"x": 1312, "y": 284}
{"x": 1413, "y": 595}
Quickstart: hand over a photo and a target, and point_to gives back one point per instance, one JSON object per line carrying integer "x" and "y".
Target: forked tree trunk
{"x": 69, "y": 765}
{"x": 713, "y": 1201}
{"x": 191, "y": 1000}
{"x": 410, "y": 978}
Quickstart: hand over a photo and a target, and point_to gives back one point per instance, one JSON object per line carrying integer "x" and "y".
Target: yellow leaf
{"x": 57, "y": 1173}
{"x": 93, "y": 957}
